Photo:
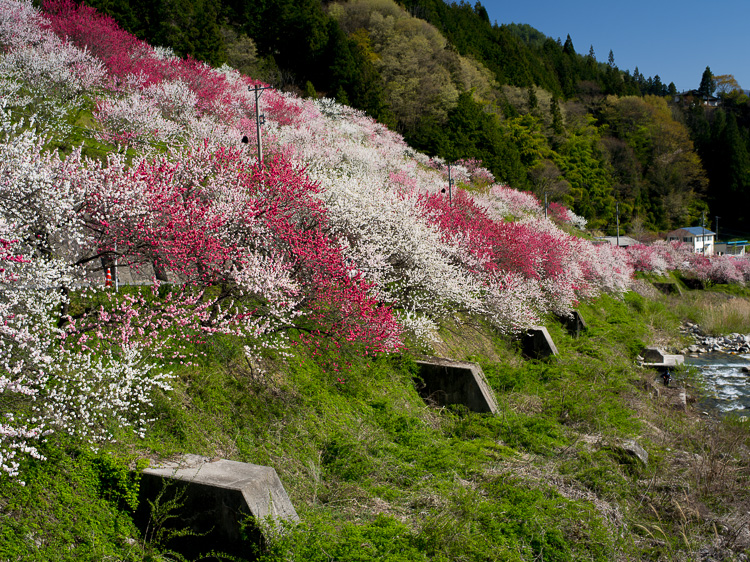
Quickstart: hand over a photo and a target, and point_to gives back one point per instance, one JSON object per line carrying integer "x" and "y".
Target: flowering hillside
{"x": 341, "y": 236}
{"x": 678, "y": 256}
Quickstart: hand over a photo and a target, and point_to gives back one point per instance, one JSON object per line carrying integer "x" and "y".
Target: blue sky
{"x": 676, "y": 40}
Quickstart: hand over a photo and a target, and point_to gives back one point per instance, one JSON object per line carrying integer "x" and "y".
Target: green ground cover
{"x": 377, "y": 474}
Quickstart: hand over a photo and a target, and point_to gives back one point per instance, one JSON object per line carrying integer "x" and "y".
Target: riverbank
{"x": 724, "y": 364}
{"x": 731, "y": 343}
{"x": 726, "y": 386}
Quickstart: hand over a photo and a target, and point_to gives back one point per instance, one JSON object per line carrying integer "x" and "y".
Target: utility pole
{"x": 450, "y": 186}
{"x": 703, "y": 230}
{"x": 545, "y": 204}
{"x": 259, "y": 119}
{"x": 114, "y": 262}
{"x": 617, "y": 208}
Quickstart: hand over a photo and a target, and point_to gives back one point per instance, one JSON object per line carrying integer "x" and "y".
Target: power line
{"x": 727, "y": 233}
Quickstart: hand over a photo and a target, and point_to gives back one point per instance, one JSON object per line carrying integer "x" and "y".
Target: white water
{"x": 728, "y": 388}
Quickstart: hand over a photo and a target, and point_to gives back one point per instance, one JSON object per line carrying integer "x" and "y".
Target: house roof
{"x": 625, "y": 241}
{"x": 696, "y": 93}
{"x": 694, "y": 230}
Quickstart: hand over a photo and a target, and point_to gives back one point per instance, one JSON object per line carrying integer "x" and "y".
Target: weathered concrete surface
{"x": 218, "y": 497}
{"x": 656, "y": 357}
{"x": 537, "y": 343}
{"x": 628, "y": 452}
{"x": 574, "y": 324}
{"x": 694, "y": 284}
{"x": 446, "y": 382}
{"x": 654, "y": 388}
{"x": 653, "y": 355}
{"x": 632, "y": 448}
{"x": 672, "y": 361}
{"x": 668, "y": 288}
{"x": 678, "y": 400}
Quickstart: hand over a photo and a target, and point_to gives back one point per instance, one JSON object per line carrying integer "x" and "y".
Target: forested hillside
{"x": 722, "y": 138}
{"x": 538, "y": 114}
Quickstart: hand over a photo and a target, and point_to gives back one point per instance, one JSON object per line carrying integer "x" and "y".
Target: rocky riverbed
{"x": 724, "y": 362}
{"x": 730, "y": 343}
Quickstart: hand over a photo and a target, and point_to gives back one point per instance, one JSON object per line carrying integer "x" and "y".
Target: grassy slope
{"x": 375, "y": 474}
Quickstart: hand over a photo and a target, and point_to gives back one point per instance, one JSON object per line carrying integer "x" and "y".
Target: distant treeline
{"x": 519, "y": 55}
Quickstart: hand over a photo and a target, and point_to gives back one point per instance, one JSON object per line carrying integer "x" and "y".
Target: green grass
{"x": 376, "y": 474}
{"x": 77, "y": 505}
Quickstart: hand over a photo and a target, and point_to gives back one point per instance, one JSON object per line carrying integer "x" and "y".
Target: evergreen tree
{"x": 473, "y": 133}
{"x": 533, "y": 101}
{"x": 557, "y": 120}
{"x": 176, "y": 27}
{"x": 729, "y": 169}
{"x": 568, "y": 47}
{"x": 481, "y": 11}
{"x": 241, "y": 51}
{"x": 310, "y": 90}
{"x": 640, "y": 81}
{"x": 708, "y": 84}
{"x": 139, "y": 17}
{"x": 354, "y": 77}
{"x": 209, "y": 44}
{"x": 657, "y": 88}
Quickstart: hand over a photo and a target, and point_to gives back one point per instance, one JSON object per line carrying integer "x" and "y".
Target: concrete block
{"x": 674, "y": 360}
{"x": 537, "y": 343}
{"x": 215, "y": 496}
{"x": 631, "y": 448}
{"x": 574, "y": 324}
{"x": 446, "y": 382}
{"x": 653, "y": 355}
{"x": 656, "y": 357}
{"x": 694, "y": 284}
{"x": 678, "y": 400}
{"x": 669, "y": 288}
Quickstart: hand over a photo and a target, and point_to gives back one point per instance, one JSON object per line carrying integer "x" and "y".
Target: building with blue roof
{"x": 700, "y": 238}
{"x": 734, "y": 248}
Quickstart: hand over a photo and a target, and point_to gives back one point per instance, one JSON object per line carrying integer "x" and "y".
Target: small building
{"x": 625, "y": 241}
{"x": 736, "y": 248}
{"x": 694, "y": 97}
{"x": 699, "y": 237}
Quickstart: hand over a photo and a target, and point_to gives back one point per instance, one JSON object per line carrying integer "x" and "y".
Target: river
{"x": 727, "y": 387}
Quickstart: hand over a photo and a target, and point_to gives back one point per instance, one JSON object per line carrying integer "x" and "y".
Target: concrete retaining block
{"x": 632, "y": 449}
{"x": 693, "y": 284}
{"x": 574, "y": 324}
{"x": 653, "y": 355}
{"x": 658, "y": 358}
{"x": 537, "y": 343}
{"x": 215, "y": 497}
{"x": 668, "y": 288}
{"x": 446, "y": 382}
